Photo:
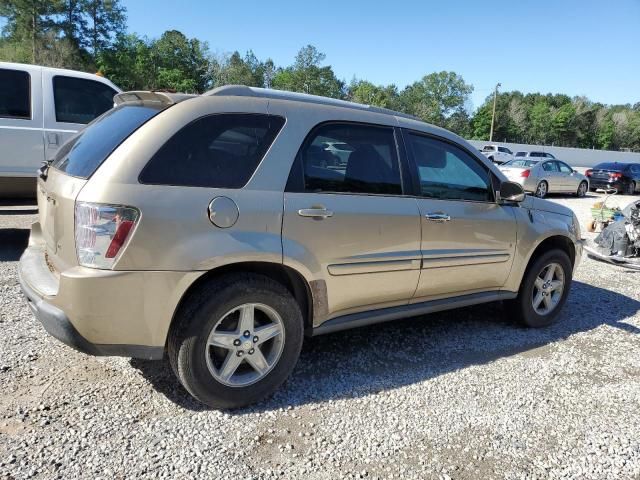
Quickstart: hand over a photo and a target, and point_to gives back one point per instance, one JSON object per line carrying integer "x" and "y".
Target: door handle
{"x": 315, "y": 212}
{"x": 437, "y": 217}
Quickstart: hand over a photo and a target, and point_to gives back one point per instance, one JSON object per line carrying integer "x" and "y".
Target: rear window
{"x": 15, "y": 96}
{"x": 520, "y": 163}
{"x": 610, "y": 166}
{"x": 216, "y": 151}
{"x": 85, "y": 152}
{"x": 488, "y": 148}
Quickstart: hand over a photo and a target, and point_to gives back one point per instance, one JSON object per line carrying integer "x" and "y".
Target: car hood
{"x": 535, "y": 203}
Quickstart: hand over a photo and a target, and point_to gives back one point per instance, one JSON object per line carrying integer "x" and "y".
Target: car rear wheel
{"x": 236, "y": 340}
{"x": 542, "y": 189}
{"x": 543, "y": 291}
{"x": 631, "y": 188}
{"x": 583, "y": 188}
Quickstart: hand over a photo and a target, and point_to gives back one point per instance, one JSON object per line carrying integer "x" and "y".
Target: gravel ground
{"x": 460, "y": 395}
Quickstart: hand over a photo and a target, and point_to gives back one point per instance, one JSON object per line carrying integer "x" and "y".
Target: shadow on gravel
{"x": 369, "y": 360}
{"x": 13, "y": 242}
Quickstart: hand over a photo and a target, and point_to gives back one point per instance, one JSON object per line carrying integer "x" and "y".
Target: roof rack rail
{"x": 244, "y": 91}
{"x": 139, "y": 96}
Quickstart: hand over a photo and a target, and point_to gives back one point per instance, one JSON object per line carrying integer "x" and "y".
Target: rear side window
{"x": 348, "y": 158}
{"x": 78, "y": 100}
{"x": 85, "y": 152}
{"x": 216, "y": 151}
{"x": 447, "y": 172}
{"x": 15, "y": 94}
{"x": 550, "y": 167}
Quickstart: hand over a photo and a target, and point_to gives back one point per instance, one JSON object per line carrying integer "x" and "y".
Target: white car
{"x": 40, "y": 108}
{"x": 497, "y": 154}
{"x": 534, "y": 154}
{"x": 541, "y": 176}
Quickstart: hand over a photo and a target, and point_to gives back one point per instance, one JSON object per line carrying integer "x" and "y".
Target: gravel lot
{"x": 461, "y": 395}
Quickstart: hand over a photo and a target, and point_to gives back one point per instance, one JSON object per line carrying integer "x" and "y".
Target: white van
{"x": 40, "y": 107}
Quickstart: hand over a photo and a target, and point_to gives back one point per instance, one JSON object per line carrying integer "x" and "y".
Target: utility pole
{"x": 493, "y": 115}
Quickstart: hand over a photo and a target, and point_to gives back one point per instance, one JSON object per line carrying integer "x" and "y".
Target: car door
{"x": 21, "y": 140}
{"x": 551, "y": 174}
{"x": 69, "y": 104}
{"x": 569, "y": 181}
{"x": 347, "y": 223}
{"x": 468, "y": 239}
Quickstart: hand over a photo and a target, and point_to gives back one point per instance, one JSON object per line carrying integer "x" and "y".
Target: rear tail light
{"x": 588, "y": 172}
{"x": 615, "y": 175}
{"x": 101, "y": 231}
{"x": 525, "y": 173}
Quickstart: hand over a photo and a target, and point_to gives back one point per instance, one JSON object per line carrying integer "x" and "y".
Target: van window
{"x": 216, "y": 151}
{"x": 348, "y": 158}
{"x": 447, "y": 172}
{"x": 85, "y": 152}
{"x": 78, "y": 100}
{"x": 15, "y": 94}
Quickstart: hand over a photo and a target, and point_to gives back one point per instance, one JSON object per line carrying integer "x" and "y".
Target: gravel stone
{"x": 465, "y": 394}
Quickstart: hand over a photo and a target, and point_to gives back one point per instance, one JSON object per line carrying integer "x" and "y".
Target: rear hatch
{"x": 70, "y": 170}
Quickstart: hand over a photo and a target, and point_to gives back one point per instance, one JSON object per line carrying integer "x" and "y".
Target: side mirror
{"x": 511, "y": 192}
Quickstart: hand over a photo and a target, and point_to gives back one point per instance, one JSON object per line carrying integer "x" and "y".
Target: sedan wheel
{"x": 542, "y": 189}
{"x": 582, "y": 189}
{"x": 631, "y": 189}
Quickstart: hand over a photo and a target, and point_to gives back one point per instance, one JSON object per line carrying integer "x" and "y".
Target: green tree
{"x": 106, "y": 21}
{"x": 27, "y": 25}
{"x": 436, "y": 97}
{"x": 361, "y": 91}
{"x": 235, "y": 70}
{"x": 128, "y": 63}
{"x": 308, "y": 76}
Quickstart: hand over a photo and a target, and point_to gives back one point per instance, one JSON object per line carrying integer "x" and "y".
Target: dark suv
{"x": 623, "y": 177}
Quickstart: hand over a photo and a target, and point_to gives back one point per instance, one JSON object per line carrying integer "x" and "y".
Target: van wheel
{"x": 543, "y": 291}
{"x": 236, "y": 340}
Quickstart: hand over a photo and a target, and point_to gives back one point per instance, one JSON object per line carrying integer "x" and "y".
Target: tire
{"x": 631, "y": 188}
{"x": 583, "y": 188}
{"x": 522, "y": 307}
{"x": 219, "y": 304}
{"x": 542, "y": 189}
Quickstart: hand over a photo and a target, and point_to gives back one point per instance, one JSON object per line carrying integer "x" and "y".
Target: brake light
{"x": 525, "y": 173}
{"x": 588, "y": 172}
{"x": 101, "y": 231}
{"x": 615, "y": 175}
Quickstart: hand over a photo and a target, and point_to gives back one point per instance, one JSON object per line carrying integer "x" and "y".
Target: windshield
{"x": 84, "y": 153}
{"x": 520, "y": 163}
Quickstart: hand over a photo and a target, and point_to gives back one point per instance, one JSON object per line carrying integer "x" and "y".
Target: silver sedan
{"x": 546, "y": 176}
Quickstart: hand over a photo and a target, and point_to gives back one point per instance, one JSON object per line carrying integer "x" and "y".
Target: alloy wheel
{"x": 245, "y": 344}
{"x": 548, "y": 289}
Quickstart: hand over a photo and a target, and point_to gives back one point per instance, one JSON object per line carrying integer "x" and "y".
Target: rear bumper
{"x": 603, "y": 184}
{"x": 103, "y": 312}
{"x": 58, "y": 325}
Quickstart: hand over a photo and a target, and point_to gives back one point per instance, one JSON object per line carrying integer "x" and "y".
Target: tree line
{"x": 91, "y": 35}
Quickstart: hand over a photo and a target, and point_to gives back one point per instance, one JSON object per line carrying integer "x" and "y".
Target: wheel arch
{"x": 560, "y": 242}
{"x": 287, "y": 276}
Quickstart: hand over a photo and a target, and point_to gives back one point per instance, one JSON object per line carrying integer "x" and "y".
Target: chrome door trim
{"x": 462, "y": 260}
{"x": 374, "y": 267}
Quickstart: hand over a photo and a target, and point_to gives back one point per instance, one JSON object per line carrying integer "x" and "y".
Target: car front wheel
{"x": 543, "y": 291}
{"x": 236, "y": 340}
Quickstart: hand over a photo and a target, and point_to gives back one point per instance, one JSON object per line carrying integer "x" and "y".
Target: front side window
{"x": 564, "y": 168}
{"x": 216, "y": 151}
{"x": 78, "y": 100}
{"x": 448, "y": 172}
{"x": 15, "y": 94}
{"x": 350, "y": 158}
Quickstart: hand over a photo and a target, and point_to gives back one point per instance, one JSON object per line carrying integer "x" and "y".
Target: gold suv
{"x": 220, "y": 229}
